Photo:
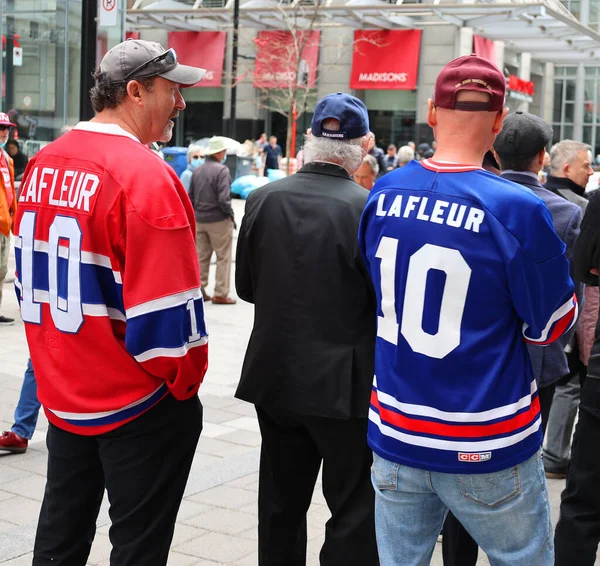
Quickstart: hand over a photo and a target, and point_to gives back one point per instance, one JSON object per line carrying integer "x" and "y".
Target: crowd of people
{"x": 415, "y": 340}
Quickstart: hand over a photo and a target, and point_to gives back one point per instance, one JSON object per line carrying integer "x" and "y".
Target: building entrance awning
{"x": 542, "y": 27}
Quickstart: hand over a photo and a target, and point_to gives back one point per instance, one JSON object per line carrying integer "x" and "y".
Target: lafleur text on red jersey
{"x": 65, "y": 188}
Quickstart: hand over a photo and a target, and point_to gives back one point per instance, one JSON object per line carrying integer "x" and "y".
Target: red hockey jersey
{"x": 108, "y": 280}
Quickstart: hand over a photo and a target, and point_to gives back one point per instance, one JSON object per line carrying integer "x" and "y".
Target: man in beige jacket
{"x": 210, "y": 193}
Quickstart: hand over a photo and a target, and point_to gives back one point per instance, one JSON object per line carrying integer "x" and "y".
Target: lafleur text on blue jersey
{"x": 60, "y": 187}
{"x": 437, "y": 211}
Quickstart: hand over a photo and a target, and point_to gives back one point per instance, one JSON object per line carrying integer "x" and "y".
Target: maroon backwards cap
{"x": 470, "y": 73}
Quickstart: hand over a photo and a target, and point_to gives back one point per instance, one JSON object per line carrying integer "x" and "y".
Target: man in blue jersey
{"x": 467, "y": 268}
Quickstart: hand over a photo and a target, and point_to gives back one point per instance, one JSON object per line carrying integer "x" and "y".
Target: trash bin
{"x": 176, "y": 157}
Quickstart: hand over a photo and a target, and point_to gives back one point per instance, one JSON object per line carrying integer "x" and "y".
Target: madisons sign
{"x": 385, "y": 59}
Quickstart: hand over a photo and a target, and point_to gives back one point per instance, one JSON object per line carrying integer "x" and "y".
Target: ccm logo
{"x": 468, "y": 457}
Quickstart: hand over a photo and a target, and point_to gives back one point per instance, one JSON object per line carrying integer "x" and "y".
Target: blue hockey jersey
{"x": 467, "y": 268}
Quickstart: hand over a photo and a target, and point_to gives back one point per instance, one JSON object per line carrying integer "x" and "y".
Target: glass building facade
{"x": 49, "y": 50}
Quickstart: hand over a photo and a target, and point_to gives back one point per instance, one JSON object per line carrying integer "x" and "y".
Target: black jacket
{"x": 585, "y": 257}
{"x": 568, "y": 189}
{"x": 312, "y": 346}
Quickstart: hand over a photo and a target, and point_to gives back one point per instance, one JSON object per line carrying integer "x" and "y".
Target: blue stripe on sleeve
{"x": 166, "y": 328}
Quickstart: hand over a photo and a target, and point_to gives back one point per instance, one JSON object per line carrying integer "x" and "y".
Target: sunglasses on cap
{"x": 160, "y": 64}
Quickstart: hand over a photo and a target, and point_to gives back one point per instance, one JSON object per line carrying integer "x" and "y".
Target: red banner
{"x": 485, "y": 48}
{"x": 385, "y": 59}
{"x": 521, "y": 85}
{"x": 205, "y": 49}
{"x": 282, "y": 60}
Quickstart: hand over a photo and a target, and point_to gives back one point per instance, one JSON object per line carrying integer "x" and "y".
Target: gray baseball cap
{"x": 522, "y": 135}
{"x": 138, "y": 59}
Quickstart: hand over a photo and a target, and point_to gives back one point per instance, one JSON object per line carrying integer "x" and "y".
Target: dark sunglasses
{"x": 160, "y": 64}
{"x": 3, "y": 128}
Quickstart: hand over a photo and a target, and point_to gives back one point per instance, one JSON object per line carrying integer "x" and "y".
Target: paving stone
{"x": 185, "y": 532}
{"x": 247, "y": 482}
{"x": 190, "y": 509}
{"x": 212, "y": 430}
{"x": 217, "y": 547}
{"x": 217, "y": 416}
{"x": 214, "y": 402}
{"x": 250, "y": 534}
{"x": 249, "y": 560}
{"x": 224, "y": 496}
{"x": 243, "y": 408}
{"x": 20, "y": 510}
{"x": 31, "y": 486}
{"x": 8, "y": 473}
{"x": 219, "y": 446}
{"x": 4, "y": 495}
{"x": 32, "y": 461}
{"x": 245, "y": 423}
{"x": 245, "y": 437}
{"x": 224, "y": 521}
{"x": 24, "y": 560}
{"x": 101, "y": 548}
{"x": 5, "y": 525}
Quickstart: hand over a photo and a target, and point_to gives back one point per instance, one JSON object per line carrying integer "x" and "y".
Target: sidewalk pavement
{"x": 218, "y": 516}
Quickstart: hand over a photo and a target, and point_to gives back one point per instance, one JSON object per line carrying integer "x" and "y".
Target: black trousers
{"x": 144, "y": 466}
{"x": 578, "y": 530}
{"x": 458, "y": 547}
{"x": 293, "y": 447}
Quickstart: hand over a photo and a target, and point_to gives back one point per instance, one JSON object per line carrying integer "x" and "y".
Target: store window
{"x": 392, "y": 116}
{"x": 40, "y": 67}
{"x": 564, "y": 105}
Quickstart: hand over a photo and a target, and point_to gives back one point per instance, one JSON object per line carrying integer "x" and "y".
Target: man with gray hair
{"x": 366, "y": 174}
{"x": 570, "y": 169}
{"x": 310, "y": 360}
{"x": 405, "y": 155}
{"x": 194, "y": 158}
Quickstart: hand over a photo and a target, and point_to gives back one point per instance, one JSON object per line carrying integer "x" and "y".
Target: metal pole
{"x": 234, "y": 65}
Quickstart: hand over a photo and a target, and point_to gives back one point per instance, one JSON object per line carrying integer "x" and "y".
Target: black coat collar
{"x": 555, "y": 183}
{"x": 326, "y": 169}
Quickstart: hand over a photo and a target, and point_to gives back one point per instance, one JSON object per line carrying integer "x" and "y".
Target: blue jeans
{"x": 506, "y": 512}
{"x": 28, "y": 407}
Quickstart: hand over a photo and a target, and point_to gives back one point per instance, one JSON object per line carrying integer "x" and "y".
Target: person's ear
{"x": 431, "y": 113}
{"x": 365, "y": 143}
{"x": 134, "y": 92}
{"x": 497, "y": 127}
{"x": 541, "y": 156}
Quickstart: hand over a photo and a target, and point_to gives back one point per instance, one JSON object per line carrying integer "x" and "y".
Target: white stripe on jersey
{"x": 560, "y": 312}
{"x": 90, "y": 416}
{"x": 453, "y": 445}
{"x": 170, "y": 352}
{"x": 90, "y": 309}
{"x": 431, "y": 412}
{"x": 163, "y": 303}
{"x": 89, "y": 258}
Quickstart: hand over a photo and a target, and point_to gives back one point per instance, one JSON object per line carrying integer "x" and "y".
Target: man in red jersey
{"x": 109, "y": 288}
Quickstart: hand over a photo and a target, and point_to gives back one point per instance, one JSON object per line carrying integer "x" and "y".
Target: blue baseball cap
{"x": 350, "y": 112}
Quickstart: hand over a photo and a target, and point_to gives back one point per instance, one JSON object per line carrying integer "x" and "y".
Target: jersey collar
{"x": 448, "y": 167}
{"x": 99, "y": 128}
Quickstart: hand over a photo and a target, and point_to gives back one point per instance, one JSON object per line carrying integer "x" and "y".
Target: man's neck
{"x": 112, "y": 117}
{"x": 462, "y": 155}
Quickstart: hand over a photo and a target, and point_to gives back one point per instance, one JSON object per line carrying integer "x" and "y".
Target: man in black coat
{"x": 309, "y": 364}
